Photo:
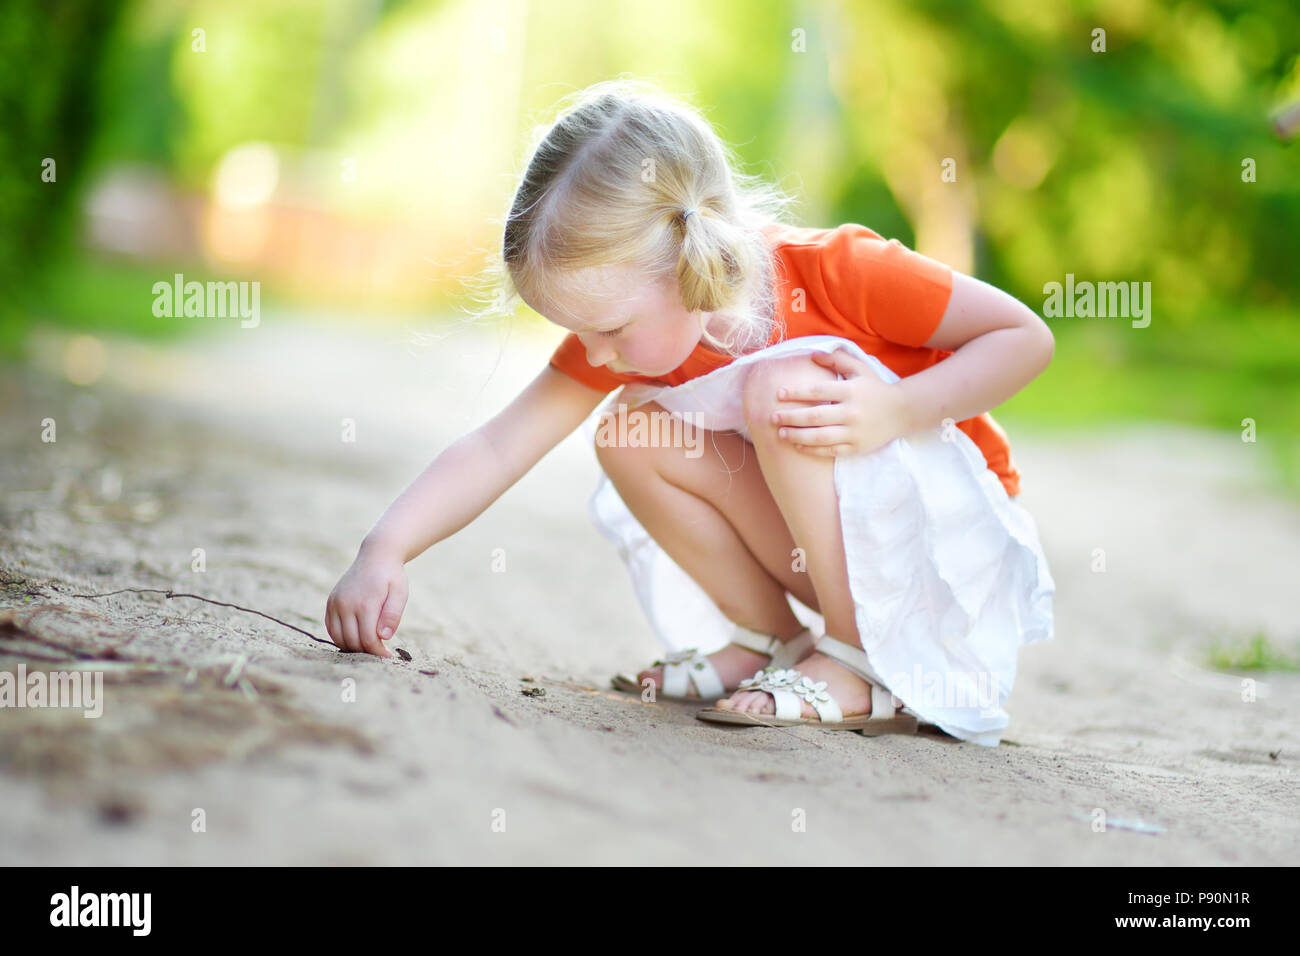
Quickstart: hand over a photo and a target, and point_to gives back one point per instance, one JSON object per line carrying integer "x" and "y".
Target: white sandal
{"x": 683, "y": 668}
{"x": 790, "y": 689}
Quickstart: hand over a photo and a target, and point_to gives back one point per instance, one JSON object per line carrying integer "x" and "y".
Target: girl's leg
{"x": 803, "y": 486}
{"x": 715, "y": 517}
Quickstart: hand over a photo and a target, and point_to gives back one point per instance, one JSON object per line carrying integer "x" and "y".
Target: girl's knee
{"x": 649, "y": 437}
{"x": 765, "y": 378}
{"x": 631, "y": 437}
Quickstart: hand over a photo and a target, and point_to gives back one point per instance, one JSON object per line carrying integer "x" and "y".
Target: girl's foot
{"x": 733, "y": 664}
{"x": 850, "y": 691}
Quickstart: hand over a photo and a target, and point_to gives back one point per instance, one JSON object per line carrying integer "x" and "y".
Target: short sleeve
{"x": 571, "y": 359}
{"x": 895, "y": 293}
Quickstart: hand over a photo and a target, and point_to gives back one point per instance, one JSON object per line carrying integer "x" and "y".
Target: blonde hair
{"x": 607, "y": 183}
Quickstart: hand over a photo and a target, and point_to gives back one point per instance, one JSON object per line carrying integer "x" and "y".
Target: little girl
{"x": 840, "y": 385}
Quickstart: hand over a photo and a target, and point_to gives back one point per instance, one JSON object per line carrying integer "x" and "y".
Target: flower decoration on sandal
{"x": 770, "y": 677}
{"x": 687, "y": 656}
{"x": 810, "y": 692}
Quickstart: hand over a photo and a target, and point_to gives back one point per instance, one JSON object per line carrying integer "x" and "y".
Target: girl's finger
{"x": 350, "y": 640}
{"x": 810, "y": 416}
{"x": 836, "y": 391}
{"x": 816, "y": 437}
{"x": 812, "y": 450}
{"x": 391, "y": 613}
{"x": 825, "y": 451}
{"x": 368, "y": 627}
{"x": 839, "y": 360}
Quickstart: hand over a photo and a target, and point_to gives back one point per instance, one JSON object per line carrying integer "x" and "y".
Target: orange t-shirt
{"x": 854, "y": 284}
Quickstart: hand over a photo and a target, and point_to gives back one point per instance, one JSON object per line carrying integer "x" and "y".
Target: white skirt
{"x": 947, "y": 574}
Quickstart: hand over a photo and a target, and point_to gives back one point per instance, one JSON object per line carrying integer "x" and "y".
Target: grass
{"x": 109, "y": 296}
{"x": 82, "y": 293}
{"x": 1201, "y": 371}
{"x": 1255, "y": 653}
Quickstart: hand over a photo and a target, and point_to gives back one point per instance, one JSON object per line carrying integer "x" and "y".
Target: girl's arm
{"x": 482, "y": 465}
{"x": 998, "y": 344}
{"x": 366, "y": 604}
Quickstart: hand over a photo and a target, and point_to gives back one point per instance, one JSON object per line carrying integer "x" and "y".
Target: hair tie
{"x": 686, "y": 215}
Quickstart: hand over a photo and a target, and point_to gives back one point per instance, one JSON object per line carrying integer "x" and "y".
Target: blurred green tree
{"x": 50, "y": 57}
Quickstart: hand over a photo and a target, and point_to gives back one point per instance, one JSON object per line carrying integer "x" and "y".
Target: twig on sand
{"x": 167, "y": 592}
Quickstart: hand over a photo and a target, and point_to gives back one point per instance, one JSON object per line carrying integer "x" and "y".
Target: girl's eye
{"x": 613, "y": 332}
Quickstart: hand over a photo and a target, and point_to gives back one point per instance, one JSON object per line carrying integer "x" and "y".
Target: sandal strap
{"x": 884, "y": 704}
{"x": 816, "y": 694}
{"x": 883, "y": 701}
{"x": 684, "y": 667}
{"x": 790, "y": 689}
{"x": 854, "y": 658}
{"x": 789, "y": 652}
{"x": 783, "y": 653}
{"x": 787, "y": 704}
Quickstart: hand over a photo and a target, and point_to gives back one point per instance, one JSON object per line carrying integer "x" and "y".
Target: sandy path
{"x": 233, "y": 446}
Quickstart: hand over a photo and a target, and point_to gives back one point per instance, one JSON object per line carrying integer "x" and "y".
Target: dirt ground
{"x": 233, "y": 443}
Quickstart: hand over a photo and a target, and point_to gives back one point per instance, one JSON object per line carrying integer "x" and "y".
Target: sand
{"x": 230, "y": 443}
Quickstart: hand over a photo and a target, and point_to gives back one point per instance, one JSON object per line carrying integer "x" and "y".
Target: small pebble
{"x": 115, "y": 810}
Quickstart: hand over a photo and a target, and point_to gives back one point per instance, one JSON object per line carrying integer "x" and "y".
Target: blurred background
{"x": 355, "y": 157}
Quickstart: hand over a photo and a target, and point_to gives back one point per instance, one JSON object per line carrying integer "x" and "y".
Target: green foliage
{"x": 255, "y": 80}
{"x": 114, "y": 296}
{"x": 1223, "y": 365}
{"x": 50, "y": 51}
{"x": 1116, "y": 165}
{"x": 1255, "y": 654}
{"x": 1122, "y": 164}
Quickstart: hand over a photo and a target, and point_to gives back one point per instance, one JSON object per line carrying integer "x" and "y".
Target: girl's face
{"x": 626, "y": 322}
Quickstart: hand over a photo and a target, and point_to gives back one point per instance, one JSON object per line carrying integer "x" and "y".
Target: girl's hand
{"x": 866, "y": 413}
{"x": 366, "y": 605}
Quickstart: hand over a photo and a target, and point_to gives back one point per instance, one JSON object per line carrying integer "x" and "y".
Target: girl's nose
{"x": 599, "y": 355}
